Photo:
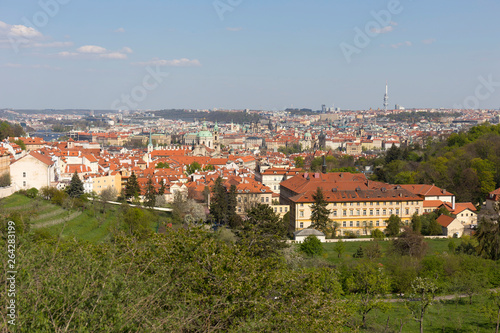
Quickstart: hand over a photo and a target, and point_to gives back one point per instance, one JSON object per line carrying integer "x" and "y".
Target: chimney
{"x": 323, "y": 167}
{"x": 453, "y": 202}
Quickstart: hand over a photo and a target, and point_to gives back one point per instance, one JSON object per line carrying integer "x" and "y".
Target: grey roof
{"x": 308, "y": 232}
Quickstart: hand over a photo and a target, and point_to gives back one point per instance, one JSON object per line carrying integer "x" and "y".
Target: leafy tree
{"x": 108, "y": 194}
{"x": 393, "y": 226}
{"x": 234, "y": 220}
{"x": 373, "y": 250}
{"x": 5, "y": 179}
{"x": 162, "y": 165}
{"x": 299, "y": 162}
{"x": 136, "y": 223}
{"x": 320, "y": 215}
{"x": 208, "y": 167}
{"x": 193, "y": 167}
{"x": 416, "y": 223}
{"x": 132, "y": 188}
{"x": 75, "y": 188}
{"x": 378, "y": 234}
{"x": 311, "y": 246}
{"x": 150, "y": 195}
{"x": 368, "y": 282}
{"x": 421, "y": 297}
{"x": 339, "y": 248}
{"x": 20, "y": 143}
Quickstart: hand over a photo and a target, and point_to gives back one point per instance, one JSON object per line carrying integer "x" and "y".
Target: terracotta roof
{"x": 445, "y": 220}
{"x": 426, "y": 190}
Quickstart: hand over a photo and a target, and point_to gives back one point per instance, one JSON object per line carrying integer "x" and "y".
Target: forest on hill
{"x": 220, "y": 116}
{"x": 466, "y": 164}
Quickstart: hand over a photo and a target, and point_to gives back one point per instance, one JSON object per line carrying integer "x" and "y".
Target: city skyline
{"x": 240, "y": 54}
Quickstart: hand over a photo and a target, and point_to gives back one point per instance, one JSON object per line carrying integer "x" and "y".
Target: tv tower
{"x": 386, "y": 97}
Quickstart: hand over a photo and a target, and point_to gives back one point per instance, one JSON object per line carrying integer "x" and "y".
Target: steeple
{"x": 386, "y": 97}
{"x": 150, "y": 144}
{"x": 323, "y": 167}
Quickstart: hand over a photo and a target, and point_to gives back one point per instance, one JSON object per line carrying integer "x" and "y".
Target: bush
{"x": 32, "y": 193}
{"x": 5, "y": 180}
{"x": 378, "y": 234}
{"x": 311, "y": 246}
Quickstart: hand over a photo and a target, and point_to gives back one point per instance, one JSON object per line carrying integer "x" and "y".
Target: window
{"x": 350, "y": 223}
{"x": 364, "y": 212}
{"x": 371, "y": 203}
{"x": 267, "y": 199}
{"x": 351, "y": 212}
{"x": 334, "y": 204}
{"x": 357, "y": 232}
{"x": 302, "y": 224}
{"x": 378, "y": 223}
{"x": 397, "y": 211}
{"x": 24, "y": 174}
{"x": 275, "y": 209}
{"x": 301, "y": 205}
{"x": 281, "y": 209}
{"x": 239, "y": 209}
{"x": 301, "y": 213}
{"x": 286, "y": 209}
{"x": 407, "y": 211}
{"x": 371, "y": 211}
{"x": 24, "y": 184}
{"x": 378, "y": 203}
{"x": 344, "y": 224}
{"x": 384, "y": 212}
{"x": 239, "y": 199}
{"x": 344, "y": 213}
{"x": 377, "y": 212}
{"x": 416, "y": 210}
{"x": 357, "y": 223}
{"x": 262, "y": 199}
{"x": 357, "y": 212}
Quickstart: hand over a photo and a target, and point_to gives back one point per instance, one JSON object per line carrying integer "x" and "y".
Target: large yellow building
{"x": 356, "y": 204}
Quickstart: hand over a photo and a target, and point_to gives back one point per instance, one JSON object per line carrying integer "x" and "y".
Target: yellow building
{"x": 100, "y": 183}
{"x": 356, "y": 204}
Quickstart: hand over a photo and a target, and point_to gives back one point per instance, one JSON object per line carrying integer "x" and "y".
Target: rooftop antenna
{"x": 386, "y": 97}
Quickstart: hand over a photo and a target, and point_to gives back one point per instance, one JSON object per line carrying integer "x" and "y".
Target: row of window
{"x": 377, "y": 203}
{"x": 282, "y": 209}
{"x": 371, "y": 212}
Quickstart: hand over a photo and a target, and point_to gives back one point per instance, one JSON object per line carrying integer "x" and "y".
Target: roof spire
{"x": 323, "y": 167}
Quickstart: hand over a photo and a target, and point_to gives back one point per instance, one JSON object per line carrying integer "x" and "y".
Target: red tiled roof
{"x": 445, "y": 220}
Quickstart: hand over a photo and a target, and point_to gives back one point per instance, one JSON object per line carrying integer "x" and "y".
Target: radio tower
{"x": 386, "y": 97}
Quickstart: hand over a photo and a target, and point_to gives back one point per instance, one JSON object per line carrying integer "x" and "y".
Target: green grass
{"x": 435, "y": 246}
{"x": 443, "y": 316}
{"x": 85, "y": 227}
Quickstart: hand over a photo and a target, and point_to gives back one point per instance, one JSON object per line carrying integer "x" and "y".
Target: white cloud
{"x": 91, "y": 49}
{"x": 382, "y": 30}
{"x": 53, "y": 44}
{"x": 234, "y": 29}
{"x": 398, "y": 45}
{"x": 66, "y": 54}
{"x": 120, "y": 30}
{"x": 113, "y": 55}
{"x": 184, "y": 62}
{"x": 428, "y": 41}
{"x": 37, "y": 66}
{"x": 127, "y": 50}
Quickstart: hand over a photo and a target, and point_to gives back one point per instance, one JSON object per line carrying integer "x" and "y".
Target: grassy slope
{"x": 86, "y": 226}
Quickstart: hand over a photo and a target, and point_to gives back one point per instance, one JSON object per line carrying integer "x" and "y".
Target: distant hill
{"x": 220, "y": 116}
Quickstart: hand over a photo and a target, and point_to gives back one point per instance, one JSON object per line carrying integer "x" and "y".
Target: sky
{"x": 258, "y": 54}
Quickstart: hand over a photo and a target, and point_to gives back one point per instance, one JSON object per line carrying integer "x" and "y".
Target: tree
{"x": 108, "y": 194}
{"x": 311, "y": 246}
{"x": 416, "y": 223}
{"x": 132, "y": 188}
{"x": 409, "y": 243}
{"x": 488, "y": 237}
{"x": 193, "y": 167}
{"x": 339, "y": 248}
{"x": 162, "y": 189}
{"x": 393, "y": 225}
{"x": 359, "y": 253}
{"x": 495, "y": 297}
{"x": 219, "y": 202}
{"x": 162, "y": 165}
{"x": 135, "y": 222}
{"x": 421, "y": 297}
{"x": 320, "y": 215}
{"x": 150, "y": 195}
{"x": 299, "y": 162}
{"x": 369, "y": 283}
{"x": 208, "y": 167}
{"x": 75, "y": 189}
{"x": 233, "y": 219}
{"x": 378, "y": 234}
{"x": 263, "y": 232}
{"x": 5, "y": 179}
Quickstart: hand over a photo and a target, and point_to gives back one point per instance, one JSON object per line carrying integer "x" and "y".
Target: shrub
{"x": 378, "y": 234}
{"x": 32, "y": 193}
{"x": 311, "y": 246}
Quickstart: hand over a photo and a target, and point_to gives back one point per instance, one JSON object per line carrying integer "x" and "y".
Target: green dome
{"x": 308, "y": 135}
{"x": 204, "y": 134}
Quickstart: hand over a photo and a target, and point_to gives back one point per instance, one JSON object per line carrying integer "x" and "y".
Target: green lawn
{"x": 86, "y": 226}
{"x": 436, "y": 246}
{"x": 443, "y": 316}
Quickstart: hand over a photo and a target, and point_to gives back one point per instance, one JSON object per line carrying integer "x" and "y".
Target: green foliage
{"x": 320, "y": 215}
{"x": 488, "y": 237}
{"x": 342, "y": 163}
{"x": 377, "y": 234}
{"x": 75, "y": 188}
{"x": 10, "y": 130}
{"x": 208, "y": 167}
{"x": 311, "y": 246}
{"x": 263, "y": 231}
{"x": 20, "y": 143}
{"x": 32, "y": 193}
{"x": 359, "y": 253}
{"x": 150, "y": 195}
{"x": 299, "y": 162}
{"x": 193, "y": 167}
{"x": 132, "y": 188}
{"x": 393, "y": 226}
{"x": 5, "y": 179}
{"x": 292, "y": 149}
{"x": 339, "y": 248}
{"x": 135, "y": 222}
{"x": 162, "y": 165}
{"x": 410, "y": 243}
{"x": 422, "y": 295}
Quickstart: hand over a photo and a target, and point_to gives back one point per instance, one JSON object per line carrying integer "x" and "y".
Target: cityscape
{"x": 216, "y": 166}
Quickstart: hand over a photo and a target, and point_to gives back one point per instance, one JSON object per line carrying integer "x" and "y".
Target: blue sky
{"x": 254, "y": 54}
